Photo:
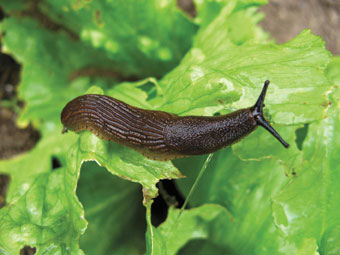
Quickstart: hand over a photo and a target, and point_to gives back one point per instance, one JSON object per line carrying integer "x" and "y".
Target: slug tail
{"x": 257, "y": 112}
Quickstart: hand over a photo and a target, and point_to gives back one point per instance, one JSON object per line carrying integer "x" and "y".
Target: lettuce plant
{"x": 254, "y": 198}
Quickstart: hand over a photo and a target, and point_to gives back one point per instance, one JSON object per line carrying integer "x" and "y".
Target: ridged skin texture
{"x": 157, "y": 135}
{"x": 195, "y": 135}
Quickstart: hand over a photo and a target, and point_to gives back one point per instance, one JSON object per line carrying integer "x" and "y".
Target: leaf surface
{"x": 41, "y": 209}
{"x": 307, "y": 209}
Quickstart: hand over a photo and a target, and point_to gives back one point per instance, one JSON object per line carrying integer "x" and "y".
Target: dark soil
{"x": 13, "y": 140}
{"x": 4, "y": 181}
{"x": 284, "y": 19}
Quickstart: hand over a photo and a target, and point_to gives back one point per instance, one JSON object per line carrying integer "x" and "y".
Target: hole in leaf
{"x": 293, "y": 172}
{"x": 14, "y": 140}
{"x": 202, "y": 246}
{"x": 10, "y": 76}
{"x": 28, "y": 250}
{"x": 187, "y": 6}
{"x": 55, "y": 163}
{"x": 301, "y": 134}
{"x": 169, "y": 196}
{"x": 159, "y": 211}
{"x": 150, "y": 89}
{"x": 2, "y": 14}
{"x": 4, "y": 181}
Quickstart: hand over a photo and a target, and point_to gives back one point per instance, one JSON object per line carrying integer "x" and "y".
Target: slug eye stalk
{"x": 257, "y": 112}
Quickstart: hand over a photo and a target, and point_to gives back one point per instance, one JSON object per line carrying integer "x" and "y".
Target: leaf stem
{"x": 203, "y": 168}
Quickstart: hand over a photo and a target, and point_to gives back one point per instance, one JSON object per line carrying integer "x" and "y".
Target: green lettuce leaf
{"x": 114, "y": 210}
{"x": 274, "y": 211}
{"x": 232, "y": 77}
{"x": 257, "y": 188}
{"x": 123, "y": 162}
{"x": 176, "y": 231}
{"x": 244, "y": 189}
{"x": 65, "y": 40}
{"x": 48, "y": 59}
{"x": 307, "y": 209}
{"x": 144, "y": 38}
{"x": 333, "y": 70}
{"x": 42, "y": 209}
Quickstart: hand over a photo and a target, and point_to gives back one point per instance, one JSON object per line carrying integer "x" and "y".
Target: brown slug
{"x": 160, "y": 135}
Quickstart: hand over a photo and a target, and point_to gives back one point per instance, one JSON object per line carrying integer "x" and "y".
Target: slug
{"x": 160, "y": 135}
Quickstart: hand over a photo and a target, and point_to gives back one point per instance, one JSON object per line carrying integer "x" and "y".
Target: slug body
{"x": 160, "y": 135}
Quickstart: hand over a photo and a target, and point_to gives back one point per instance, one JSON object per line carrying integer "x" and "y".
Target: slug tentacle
{"x": 160, "y": 135}
{"x": 257, "y": 112}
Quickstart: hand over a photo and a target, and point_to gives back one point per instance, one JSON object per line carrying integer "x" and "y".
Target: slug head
{"x": 257, "y": 112}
